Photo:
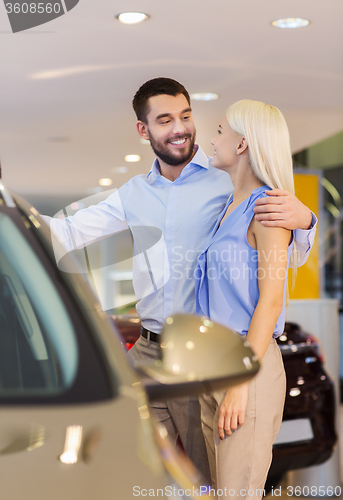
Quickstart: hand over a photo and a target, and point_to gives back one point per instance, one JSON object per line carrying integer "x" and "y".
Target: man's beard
{"x": 162, "y": 152}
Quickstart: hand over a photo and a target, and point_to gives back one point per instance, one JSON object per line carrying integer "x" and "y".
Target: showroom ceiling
{"x": 66, "y": 87}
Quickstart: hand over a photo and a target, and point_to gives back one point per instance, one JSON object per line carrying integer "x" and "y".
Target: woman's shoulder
{"x": 260, "y": 192}
{"x": 256, "y": 194}
{"x": 269, "y": 235}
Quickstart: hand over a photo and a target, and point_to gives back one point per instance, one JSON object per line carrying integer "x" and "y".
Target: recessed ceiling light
{"x": 132, "y": 158}
{"x": 119, "y": 170}
{"x": 132, "y": 17}
{"x": 204, "y": 96}
{"x": 290, "y": 22}
{"x": 105, "y": 181}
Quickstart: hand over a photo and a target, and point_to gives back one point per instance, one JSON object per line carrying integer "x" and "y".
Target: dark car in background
{"x": 307, "y": 435}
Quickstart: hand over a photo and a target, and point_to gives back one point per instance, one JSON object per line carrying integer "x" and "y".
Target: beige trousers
{"x": 239, "y": 464}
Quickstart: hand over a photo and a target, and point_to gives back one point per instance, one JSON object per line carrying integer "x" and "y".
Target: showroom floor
{"x": 285, "y": 493}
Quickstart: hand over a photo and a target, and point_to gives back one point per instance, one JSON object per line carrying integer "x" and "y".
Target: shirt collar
{"x": 198, "y": 160}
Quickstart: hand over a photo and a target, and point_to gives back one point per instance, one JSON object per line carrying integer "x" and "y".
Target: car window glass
{"x": 38, "y": 348}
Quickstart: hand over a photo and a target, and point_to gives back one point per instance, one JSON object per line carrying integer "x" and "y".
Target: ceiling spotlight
{"x": 290, "y": 22}
{"x": 132, "y": 17}
{"x": 204, "y": 96}
{"x": 105, "y": 181}
{"x": 132, "y": 158}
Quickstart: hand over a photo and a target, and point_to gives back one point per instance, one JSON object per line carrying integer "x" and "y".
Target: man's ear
{"x": 242, "y": 146}
{"x": 142, "y": 130}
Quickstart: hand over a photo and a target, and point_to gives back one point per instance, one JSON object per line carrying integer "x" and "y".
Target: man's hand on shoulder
{"x": 282, "y": 209}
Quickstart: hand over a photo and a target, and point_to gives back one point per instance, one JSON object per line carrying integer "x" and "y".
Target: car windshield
{"x": 38, "y": 348}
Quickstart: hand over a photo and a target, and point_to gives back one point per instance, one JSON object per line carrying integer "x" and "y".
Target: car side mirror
{"x": 198, "y": 355}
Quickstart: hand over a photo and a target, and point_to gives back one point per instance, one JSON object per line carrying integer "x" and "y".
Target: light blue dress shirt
{"x": 183, "y": 213}
{"x": 226, "y": 277}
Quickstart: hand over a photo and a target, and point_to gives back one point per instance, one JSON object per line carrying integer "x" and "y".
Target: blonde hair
{"x": 269, "y": 147}
{"x": 266, "y": 132}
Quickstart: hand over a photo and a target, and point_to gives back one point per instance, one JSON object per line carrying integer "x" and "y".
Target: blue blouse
{"x": 226, "y": 281}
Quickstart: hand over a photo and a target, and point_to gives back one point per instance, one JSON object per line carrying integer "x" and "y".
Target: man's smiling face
{"x": 170, "y": 129}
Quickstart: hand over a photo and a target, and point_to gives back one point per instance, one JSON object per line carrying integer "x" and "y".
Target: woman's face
{"x": 226, "y": 146}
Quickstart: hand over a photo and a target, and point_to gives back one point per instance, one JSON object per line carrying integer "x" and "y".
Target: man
{"x": 181, "y": 197}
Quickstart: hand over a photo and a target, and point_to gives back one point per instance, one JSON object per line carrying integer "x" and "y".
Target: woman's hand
{"x": 232, "y": 409}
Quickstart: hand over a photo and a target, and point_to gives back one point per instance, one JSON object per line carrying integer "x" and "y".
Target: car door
{"x": 70, "y": 426}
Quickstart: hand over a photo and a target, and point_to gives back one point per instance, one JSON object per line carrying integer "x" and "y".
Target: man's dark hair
{"x": 151, "y": 88}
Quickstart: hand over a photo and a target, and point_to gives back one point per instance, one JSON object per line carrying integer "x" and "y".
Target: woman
{"x": 242, "y": 284}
